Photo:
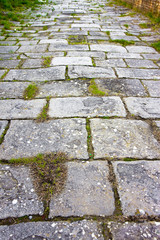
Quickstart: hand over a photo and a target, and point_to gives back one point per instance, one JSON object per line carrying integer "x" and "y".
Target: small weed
{"x": 3, "y": 134}
{"x": 129, "y": 34}
{"x": 43, "y": 116}
{"x": 123, "y": 42}
{"x": 156, "y": 45}
{"x": 93, "y": 89}
{"x": 49, "y": 172}
{"x": 144, "y": 25}
{"x": 126, "y": 25}
{"x": 30, "y": 92}
{"x": 128, "y": 159}
{"x": 45, "y": 28}
{"x": 108, "y": 33}
{"x": 89, "y": 140}
{"x": 46, "y": 61}
{"x": 77, "y": 39}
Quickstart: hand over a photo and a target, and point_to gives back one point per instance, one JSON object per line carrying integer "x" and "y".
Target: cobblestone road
{"x": 103, "y": 108}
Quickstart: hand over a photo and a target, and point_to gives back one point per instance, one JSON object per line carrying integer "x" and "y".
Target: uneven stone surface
{"x": 42, "y": 74}
{"x": 135, "y": 231}
{"x": 138, "y": 182}
{"x": 60, "y": 61}
{"x": 12, "y": 90}
{"x": 9, "y": 63}
{"x": 153, "y": 88}
{"x": 85, "y": 230}
{"x": 123, "y": 138}
{"x": 144, "y": 107}
{"x": 138, "y": 73}
{"x": 86, "y": 107}
{"x": 15, "y": 109}
{"x": 18, "y": 197}
{"x": 31, "y": 138}
{"x": 3, "y": 125}
{"x": 87, "y": 191}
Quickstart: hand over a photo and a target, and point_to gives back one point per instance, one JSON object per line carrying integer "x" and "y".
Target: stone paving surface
{"x": 101, "y": 105}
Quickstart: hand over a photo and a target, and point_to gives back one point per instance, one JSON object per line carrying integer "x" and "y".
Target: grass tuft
{"x": 123, "y": 42}
{"x": 46, "y": 61}
{"x": 30, "y": 92}
{"x": 156, "y": 45}
{"x": 94, "y": 89}
{"x": 43, "y": 116}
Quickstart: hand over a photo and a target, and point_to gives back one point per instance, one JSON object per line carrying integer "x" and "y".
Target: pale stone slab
{"x": 42, "y": 74}
{"x": 141, "y": 49}
{"x": 107, "y": 48}
{"x": 138, "y": 73}
{"x": 31, "y": 138}
{"x": 2, "y": 72}
{"x": 86, "y": 107}
{"x": 151, "y": 56}
{"x": 144, "y": 107}
{"x": 9, "y": 63}
{"x": 153, "y": 88}
{"x": 7, "y": 56}
{"x": 12, "y": 90}
{"x": 93, "y": 54}
{"x": 60, "y": 61}
{"x": 63, "y": 89}
{"x": 18, "y": 197}
{"x": 137, "y": 63}
{"x": 124, "y": 55}
{"x": 123, "y": 138}
{"x": 15, "y": 109}
{"x": 110, "y": 63}
{"x": 53, "y": 41}
{"x": 3, "y": 125}
{"x": 45, "y": 54}
{"x": 90, "y": 72}
{"x": 121, "y": 87}
{"x": 64, "y": 47}
{"x": 33, "y": 63}
{"x": 138, "y": 184}
{"x": 30, "y": 42}
{"x": 8, "y": 49}
{"x": 33, "y": 48}
{"x": 84, "y": 230}
{"x": 80, "y": 25}
{"x": 87, "y": 191}
{"x": 135, "y": 231}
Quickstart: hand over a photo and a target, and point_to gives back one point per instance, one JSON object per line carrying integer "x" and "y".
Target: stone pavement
{"x": 103, "y": 112}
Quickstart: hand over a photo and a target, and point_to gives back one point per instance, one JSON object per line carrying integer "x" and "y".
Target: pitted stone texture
{"x": 3, "y": 125}
{"x": 93, "y": 54}
{"x": 153, "y": 88}
{"x": 42, "y": 74}
{"x": 9, "y": 63}
{"x": 18, "y": 197}
{"x": 15, "y": 109}
{"x": 33, "y": 48}
{"x": 2, "y": 72}
{"x": 108, "y": 48}
{"x": 63, "y": 89}
{"x": 31, "y": 138}
{"x": 60, "y": 61}
{"x": 53, "y": 41}
{"x": 138, "y": 73}
{"x": 33, "y": 63}
{"x": 8, "y": 49}
{"x": 64, "y": 47}
{"x": 151, "y": 56}
{"x": 110, "y": 63}
{"x": 140, "y": 49}
{"x": 86, "y": 107}
{"x": 90, "y": 72}
{"x": 12, "y": 89}
{"x": 122, "y": 87}
{"x": 138, "y": 63}
{"x": 87, "y": 191}
{"x": 124, "y": 55}
{"x": 85, "y": 25}
{"x": 135, "y": 231}
{"x": 123, "y": 138}
{"x": 138, "y": 184}
{"x": 84, "y": 230}
{"x": 8, "y": 56}
{"x": 144, "y": 107}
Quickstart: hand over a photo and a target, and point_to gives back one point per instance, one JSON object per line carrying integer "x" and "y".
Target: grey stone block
{"x": 144, "y": 107}
{"x": 12, "y": 89}
{"x": 60, "y": 61}
{"x": 53, "y": 41}
{"x": 138, "y": 73}
{"x": 137, "y": 63}
{"x": 9, "y": 63}
{"x": 85, "y": 25}
{"x": 86, "y": 107}
{"x": 18, "y": 109}
{"x": 8, "y": 56}
{"x": 3, "y": 125}
{"x": 138, "y": 184}
{"x": 122, "y": 87}
{"x": 64, "y": 47}
{"x": 135, "y": 231}
{"x": 8, "y": 49}
{"x": 31, "y": 138}
{"x": 124, "y": 55}
{"x": 42, "y": 74}
{"x": 120, "y": 138}
{"x": 141, "y": 49}
{"x": 84, "y": 230}
{"x": 107, "y": 48}
{"x": 45, "y": 54}
{"x": 153, "y": 88}
{"x": 110, "y": 63}
{"x": 63, "y": 89}
{"x": 90, "y": 72}
{"x": 18, "y": 197}
{"x": 30, "y": 42}
{"x": 87, "y": 191}
{"x": 33, "y": 48}
{"x": 33, "y": 63}
{"x": 151, "y": 56}
{"x": 93, "y": 54}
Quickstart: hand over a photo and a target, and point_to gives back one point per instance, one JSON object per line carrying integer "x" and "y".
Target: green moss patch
{"x": 46, "y": 61}
{"x": 30, "y": 92}
{"x": 43, "y": 116}
{"x": 94, "y": 89}
{"x": 156, "y": 45}
{"x": 123, "y": 42}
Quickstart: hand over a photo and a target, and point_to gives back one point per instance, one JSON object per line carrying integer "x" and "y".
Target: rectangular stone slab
{"x": 138, "y": 184}
{"x": 42, "y": 74}
{"x": 12, "y": 89}
{"x": 120, "y": 138}
{"x": 87, "y": 191}
{"x": 8, "y": 49}
{"x": 143, "y": 107}
{"x": 31, "y": 138}
{"x": 153, "y": 88}
{"x": 90, "y": 72}
{"x": 18, "y": 109}
{"x": 138, "y": 73}
{"x": 107, "y": 48}
{"x": 86, "y": 107}
{"x": 87, "y": 230}
{"x": 60, "y": 61}
{"x": 64, "y": 47}
{"x": 134, "y": 231}
{"x": 33, "y": 48}
{"x": 18, "y": 197}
